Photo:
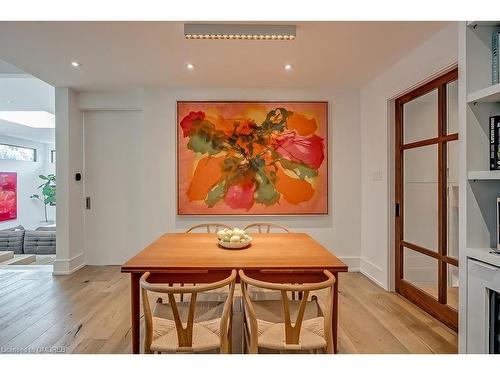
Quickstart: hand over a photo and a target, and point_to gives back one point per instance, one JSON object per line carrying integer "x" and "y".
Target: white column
{"x": 70, "y": 251}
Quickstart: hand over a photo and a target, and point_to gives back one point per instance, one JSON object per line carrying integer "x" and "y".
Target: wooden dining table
{"x": 197, "y": 258}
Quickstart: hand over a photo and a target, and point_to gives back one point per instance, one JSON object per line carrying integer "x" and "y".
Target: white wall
{"x": 377, "y": 206}
{"x": 339, "y": 231}
{"x": 29, "y": 211}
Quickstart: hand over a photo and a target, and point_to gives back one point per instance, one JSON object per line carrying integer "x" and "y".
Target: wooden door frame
{"x": 438, "y": 308}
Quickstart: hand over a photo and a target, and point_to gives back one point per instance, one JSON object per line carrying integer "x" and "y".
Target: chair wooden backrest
{"x": 209, "y": 227}
{"x": 185, "y": 333}
{"x": 266, "y": 227}
{"x": 292, "y": 330}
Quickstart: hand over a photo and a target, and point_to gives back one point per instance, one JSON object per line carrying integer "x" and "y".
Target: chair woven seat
{"x": 270, "y": 335}
{"x": 206, "y": 326}
{"x": 288, "y": 325}
{"x": 271, "y": 325}
{"x": 206, "y": 336}
{"x": 207, "y": 322}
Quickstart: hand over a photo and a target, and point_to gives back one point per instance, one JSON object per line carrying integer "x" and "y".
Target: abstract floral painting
{"x": 252, "y": 158}
{"x": 8, "y": 196}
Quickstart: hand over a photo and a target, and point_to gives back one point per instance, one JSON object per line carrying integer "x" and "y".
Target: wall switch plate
{"x": 377, "y": 175}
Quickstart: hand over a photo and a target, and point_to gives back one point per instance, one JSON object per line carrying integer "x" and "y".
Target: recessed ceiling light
{"x": 33, "y": 119}
{"x": 288, "y": 67}
{"x": 190, "y": 66}
{"x": 75, "y": 64}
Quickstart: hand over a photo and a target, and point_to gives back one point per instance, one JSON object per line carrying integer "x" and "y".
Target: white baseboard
{"x": 68, "y": 266}
{"x": 352, "y": 262}
{"x": 373, "y": 272}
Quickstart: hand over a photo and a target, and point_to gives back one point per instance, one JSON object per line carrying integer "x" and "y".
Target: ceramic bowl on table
{"x": 240, "y": 245}
{"x": 233, "y": 238}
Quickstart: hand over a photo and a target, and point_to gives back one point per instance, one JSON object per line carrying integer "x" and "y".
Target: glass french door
{"x": 426, "y": 195}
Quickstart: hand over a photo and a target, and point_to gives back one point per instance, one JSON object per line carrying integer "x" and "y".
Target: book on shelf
{"x": 495, "y": 77}
{"x": 498, "y": 223}
{"x": 495, "y": 142}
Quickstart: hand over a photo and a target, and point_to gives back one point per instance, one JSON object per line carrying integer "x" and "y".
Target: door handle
{"x": 87, "y": 203}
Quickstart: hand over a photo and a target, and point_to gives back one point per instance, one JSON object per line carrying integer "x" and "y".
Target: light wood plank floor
{"x": 88, "y": 312}
{"x": 44, "y": 259}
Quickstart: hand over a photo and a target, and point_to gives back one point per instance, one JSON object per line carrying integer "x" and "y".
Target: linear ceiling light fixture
{"x": 239, "y": 31}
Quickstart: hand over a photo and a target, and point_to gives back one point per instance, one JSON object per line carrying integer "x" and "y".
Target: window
{"x": 52, "y": 156}
{"x": 10, "y": 152}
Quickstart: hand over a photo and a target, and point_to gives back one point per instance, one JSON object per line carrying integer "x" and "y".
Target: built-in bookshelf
{"x": 483, "y": 175}
{"x": 479, "y": 187}
{"x": 490, "y": 94}
{"x": 482, "y": 23}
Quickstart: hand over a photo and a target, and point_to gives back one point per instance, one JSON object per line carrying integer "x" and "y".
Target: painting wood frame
{"x": 321, "y": 182}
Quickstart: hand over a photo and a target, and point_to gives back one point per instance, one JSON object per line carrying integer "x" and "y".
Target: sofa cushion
{"x": 39, "y": 242}
{"x": 12, "y": 240}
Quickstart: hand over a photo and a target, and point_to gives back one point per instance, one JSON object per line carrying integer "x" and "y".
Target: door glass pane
{"x": 452, "y": 107}
{"x": 452, "y": 290}
{"x": 421, "y": 270}
{"x": 420, "y": 118}
{"x": 420, "y": 196}
{"x": 452, "y": 197}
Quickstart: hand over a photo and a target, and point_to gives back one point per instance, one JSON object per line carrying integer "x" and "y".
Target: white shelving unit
{"x": 473, "y": 24}
{"x": 489, "y": 94}
{"x": 479, "y": 187}
{"x": 483, "y": 175}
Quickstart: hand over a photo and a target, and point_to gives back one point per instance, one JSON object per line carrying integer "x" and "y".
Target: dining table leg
{"x": 135, "y": 302}
{"x": 335, "y": 315}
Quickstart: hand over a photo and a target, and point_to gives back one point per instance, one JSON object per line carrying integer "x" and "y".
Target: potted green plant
{"x": 48, "y": 194}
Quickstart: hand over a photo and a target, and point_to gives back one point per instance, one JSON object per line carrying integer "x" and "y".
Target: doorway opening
{"x": 27, "y": 170}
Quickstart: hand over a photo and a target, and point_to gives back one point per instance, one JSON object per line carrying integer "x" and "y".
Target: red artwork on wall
{"x": 252, "y": 158}
{"x": 8, "y": 196}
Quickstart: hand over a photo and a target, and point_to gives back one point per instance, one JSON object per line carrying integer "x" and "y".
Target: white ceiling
{"x": 11, "y": 129}
{"x": 135, "y": 54}
{"x": 6, "y": 68}
{"x": 25, "y": 93}
{"x": 21, "y": 92}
